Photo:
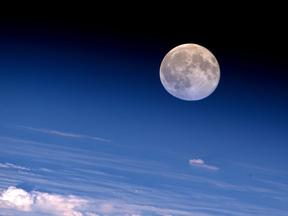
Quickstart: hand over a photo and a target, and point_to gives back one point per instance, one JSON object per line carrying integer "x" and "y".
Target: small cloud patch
{"x": 196, "y": 161}
{"x": 201, "y": 164}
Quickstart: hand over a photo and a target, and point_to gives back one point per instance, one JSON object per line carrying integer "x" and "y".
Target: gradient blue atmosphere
{"x": 87, "y": 129}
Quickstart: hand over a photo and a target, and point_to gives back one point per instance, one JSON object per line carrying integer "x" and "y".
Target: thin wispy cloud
{"x": 91, "y": 214}
{"x": 64, "y": 133}
{"x": 200, "y": 163}
{"x": 26, "y": 173}
{"x": 265, "y": 170}
{"x": 10, "y": 165}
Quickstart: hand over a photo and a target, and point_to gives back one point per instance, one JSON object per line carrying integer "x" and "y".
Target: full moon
{"x": 190, "y": 72}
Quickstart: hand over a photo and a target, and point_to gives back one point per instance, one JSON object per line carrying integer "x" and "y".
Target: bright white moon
{"x": 190, "y": 72}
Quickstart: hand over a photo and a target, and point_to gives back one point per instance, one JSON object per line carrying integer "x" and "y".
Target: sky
{"x": 87, "y": 129}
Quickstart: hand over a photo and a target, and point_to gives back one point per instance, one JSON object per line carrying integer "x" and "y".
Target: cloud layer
{"x": 114, "y": 184}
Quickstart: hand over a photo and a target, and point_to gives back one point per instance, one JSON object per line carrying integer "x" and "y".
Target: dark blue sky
{"x": 83, "y": 105}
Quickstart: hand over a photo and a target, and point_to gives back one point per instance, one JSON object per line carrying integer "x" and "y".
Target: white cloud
{"x": 46, "y": 170}
{"x": 196, "y": 161}
{"x": 4, "y": 165}
{"x": 26, "y": 173}
{"x": 91, "y": 214}
{"x": 200, "y": 163}
{"x": 10, "y": 165}
{"x": 54, "y": 204}
{"x": 164, "y": 214}
{"x": 17, "y": 198}
{"x": 64, "y": 134}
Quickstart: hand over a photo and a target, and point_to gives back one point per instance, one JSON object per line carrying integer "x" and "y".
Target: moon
{"x": 190, "y": 72}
